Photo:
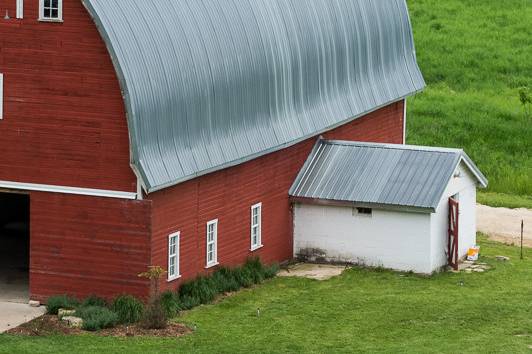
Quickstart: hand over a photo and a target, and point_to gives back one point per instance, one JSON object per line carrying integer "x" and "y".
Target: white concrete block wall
{"x": 392, "y": 239}
{"x": 465, "y": 187}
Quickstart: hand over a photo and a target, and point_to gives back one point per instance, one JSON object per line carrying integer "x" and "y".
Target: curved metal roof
{"x": 209, "y": 84}
{"x": 380, "y": 174}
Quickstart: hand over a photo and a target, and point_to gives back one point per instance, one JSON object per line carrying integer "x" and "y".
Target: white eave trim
{"x": 67, "y": 190}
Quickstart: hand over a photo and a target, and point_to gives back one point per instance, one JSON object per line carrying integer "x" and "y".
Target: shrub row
{"x": 125, "y": 309}
{"x": 204, "y": 289}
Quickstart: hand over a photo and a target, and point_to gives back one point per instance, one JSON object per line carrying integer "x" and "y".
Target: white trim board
{"x": 67, "y": 190}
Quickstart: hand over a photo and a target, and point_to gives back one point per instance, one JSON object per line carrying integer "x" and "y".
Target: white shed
{"x": 385, "y": 205}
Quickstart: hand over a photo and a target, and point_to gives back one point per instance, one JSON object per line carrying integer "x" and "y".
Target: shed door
{"x": 452, "y": 250}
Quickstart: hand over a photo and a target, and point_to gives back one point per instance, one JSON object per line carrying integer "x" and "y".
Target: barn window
{"x": 365, "y": 211}
{"x": 173, "y": 256}
{"x": 256, "y": 211}
{"x": 212, "y": 243}
{"x": 20, "y": 8}
{"x": 51, "y": 10}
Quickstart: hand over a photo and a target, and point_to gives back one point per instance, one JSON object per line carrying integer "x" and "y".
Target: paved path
{"x": 503, "y": 224}
{"x": 13, "y": 314}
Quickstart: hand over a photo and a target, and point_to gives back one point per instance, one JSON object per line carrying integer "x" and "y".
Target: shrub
{"x": 255, "y": 268}
{"x": 93, "y": 300}
{"x": 170, "y": 303}
{"x": 202, "y": 290}
{"x": 271, "y": 271}
{"x": 55, "y": 303}
{"x": 128, "y": 308}
{"x": 225, "y": 280}
{"x": 243, "y": 276}
{"x": 97, "y": 317}
{"x": 187, "y": 302}
{"x": 154, "y": 316}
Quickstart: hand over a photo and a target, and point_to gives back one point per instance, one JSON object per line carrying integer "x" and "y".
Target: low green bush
{"x": 225, "y": 280}
{"x": 54, "y": 303}
{"x": 187, "y": 302}
{"x": 271, "y": 271}
{"x": 97, "y": 317}
{"x": 93, "y": 300}
{"x": 202, "y": 289}
{"x": 128, "y": 308}
{"x": 243, "y": 276}
{"x": 255, "y": 268}
{"x": 170, "y": 303}
{"x": 154, "y": 316}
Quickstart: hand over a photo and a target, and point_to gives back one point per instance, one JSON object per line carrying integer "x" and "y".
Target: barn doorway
{"x": 14, "y": 247}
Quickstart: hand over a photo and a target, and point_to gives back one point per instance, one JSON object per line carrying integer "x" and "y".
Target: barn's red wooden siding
{"x": 64, "y": 124}
{"x": 64, "y": 118}
{"x": 228, "y": 195}
{"x": 83, "y": 245}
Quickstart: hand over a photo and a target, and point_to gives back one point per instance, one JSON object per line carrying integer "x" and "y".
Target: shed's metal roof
{"x": 380, "y": 174}
{"x": 210, "y": 84}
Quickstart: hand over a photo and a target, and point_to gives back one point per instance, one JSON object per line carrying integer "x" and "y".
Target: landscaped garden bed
{"x": 51, "y": 325}
{"x": 127, "y": 316}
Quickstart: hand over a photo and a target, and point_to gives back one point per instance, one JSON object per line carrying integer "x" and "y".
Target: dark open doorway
{"x": 14, "y": 247}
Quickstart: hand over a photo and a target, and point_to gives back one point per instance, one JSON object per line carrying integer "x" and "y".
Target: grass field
{"x": 360, "y": 311}
{"x": 475, "y": 55}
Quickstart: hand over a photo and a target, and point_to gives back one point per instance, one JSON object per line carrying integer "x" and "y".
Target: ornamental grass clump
{"x": 93, "y": 300}
{"x": 54, "y": 303}
{"x": 96, "y": 318}
{"x": 128, "y": 308}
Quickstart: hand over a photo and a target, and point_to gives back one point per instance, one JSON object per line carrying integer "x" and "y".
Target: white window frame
{"x": 176, "y": 237}
{"x": 20, "y": 9}
{"x": 59, "y": 17}
{"x": 214, "y": 242}
{"x": 256, "y": 226}
{"x": 1, "y": 96}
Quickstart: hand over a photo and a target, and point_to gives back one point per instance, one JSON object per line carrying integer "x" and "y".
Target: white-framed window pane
{"x": 51, "y": 9}
{"x": 212, "y": 240}
{"x": 256, "y": 226}
{"x": 173, "y": 256}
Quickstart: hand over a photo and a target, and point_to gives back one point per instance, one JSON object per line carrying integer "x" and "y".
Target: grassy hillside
{"x": 475, "y": 55}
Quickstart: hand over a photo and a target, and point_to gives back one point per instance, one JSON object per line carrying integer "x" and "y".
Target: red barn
{"x": 137, "y": 133}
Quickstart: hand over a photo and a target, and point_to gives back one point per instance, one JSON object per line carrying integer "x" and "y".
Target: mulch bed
{"x": 50, "y": 325}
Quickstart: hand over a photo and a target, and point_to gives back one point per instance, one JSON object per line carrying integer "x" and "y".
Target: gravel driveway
{"x": 503, "y": 224}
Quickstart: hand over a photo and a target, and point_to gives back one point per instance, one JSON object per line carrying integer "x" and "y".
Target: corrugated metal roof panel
{"x": 379, "y": 174}
{"x": 210, "y": 84}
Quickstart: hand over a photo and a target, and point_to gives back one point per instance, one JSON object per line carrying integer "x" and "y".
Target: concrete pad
{"x": 13, "y": 315}
{"x": 312, "y": 271}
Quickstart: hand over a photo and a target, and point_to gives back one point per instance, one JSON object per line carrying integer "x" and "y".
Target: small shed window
{"x": 51, "y": 10}
{"x": 212, "y": 243}
{"x": 173, "y": 256}
{"x": 365, "y": 211}
{"x": 256, "y": 216}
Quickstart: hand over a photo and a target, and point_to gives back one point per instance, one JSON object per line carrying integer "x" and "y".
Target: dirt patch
{"x": 48, "y": 325}
{"x": 504, "y": 225}
{"x": 312, "y": 271}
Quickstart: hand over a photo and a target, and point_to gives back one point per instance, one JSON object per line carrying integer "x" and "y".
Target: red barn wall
{"x": 64, "y": 118}
{"x": 228, "y": 195}
{"x": 83, "y": 245}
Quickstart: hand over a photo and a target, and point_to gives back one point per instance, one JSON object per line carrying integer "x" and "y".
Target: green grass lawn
{"x": 360, "y": 311}
{"x": 474, "y": 56}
